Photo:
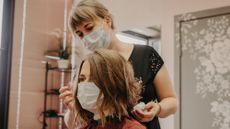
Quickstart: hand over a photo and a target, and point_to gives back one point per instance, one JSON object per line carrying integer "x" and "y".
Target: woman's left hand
{"x": 146, "y": 114}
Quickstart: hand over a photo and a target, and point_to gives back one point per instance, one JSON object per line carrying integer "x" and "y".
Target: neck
{"x": 122, "y": 48}
{"x": 117, "y": 45}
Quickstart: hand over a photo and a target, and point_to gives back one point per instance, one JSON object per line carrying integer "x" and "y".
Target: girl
{"x": 106, "y": 92}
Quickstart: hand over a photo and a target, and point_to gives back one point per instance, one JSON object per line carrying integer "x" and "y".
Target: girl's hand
{"x": 66, "y": 95}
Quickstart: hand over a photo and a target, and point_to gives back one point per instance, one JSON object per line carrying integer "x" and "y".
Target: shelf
{"x": 52, "y": 92}
{"x": 58, "y": 116}
{"x": 68, "y": 70}
{"x": 53, "y": 114}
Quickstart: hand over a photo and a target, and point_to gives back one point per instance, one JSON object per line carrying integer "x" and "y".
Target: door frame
{"x": 178, "y": 20}
{"x": 5, "y": 59}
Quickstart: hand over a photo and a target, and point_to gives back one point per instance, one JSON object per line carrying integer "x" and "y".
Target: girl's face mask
{"x": 87, "y": 95}
{"x": 99, "y": 38}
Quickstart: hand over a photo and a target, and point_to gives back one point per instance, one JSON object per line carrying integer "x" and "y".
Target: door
{"x": 202, "y": 67}
{"x": 6, "y": 31}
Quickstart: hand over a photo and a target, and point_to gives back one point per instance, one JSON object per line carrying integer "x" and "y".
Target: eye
{"x": 80, "y": 34}
{"x": 90, "y": 28}
{"x": 81, "y": 78}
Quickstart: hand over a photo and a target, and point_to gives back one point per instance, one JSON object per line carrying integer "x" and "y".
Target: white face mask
{"x": 97, "y": 39}
{"x": 87, "y": 95}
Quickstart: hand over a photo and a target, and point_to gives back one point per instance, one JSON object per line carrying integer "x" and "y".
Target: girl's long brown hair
{"x": 115, "y": 78}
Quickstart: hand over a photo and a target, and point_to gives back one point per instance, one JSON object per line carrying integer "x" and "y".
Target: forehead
{"x": 85, "y": 69}
{"x": 84, "y": 24}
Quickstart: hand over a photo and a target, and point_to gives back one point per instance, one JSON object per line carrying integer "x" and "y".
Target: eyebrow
{"x": 81, "y": 75}
{"x": 86, "y": 24}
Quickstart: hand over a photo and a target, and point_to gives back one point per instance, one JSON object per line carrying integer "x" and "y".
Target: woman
{"x": 93, "y": 24}
{"x": 106, "y": 92}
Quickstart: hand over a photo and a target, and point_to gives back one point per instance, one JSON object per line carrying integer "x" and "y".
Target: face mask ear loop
{"x": 108, "y": 31}
{"x": 103, "y": 25}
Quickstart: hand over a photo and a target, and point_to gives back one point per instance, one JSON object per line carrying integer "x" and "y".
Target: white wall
{"x": 140, "y": 13}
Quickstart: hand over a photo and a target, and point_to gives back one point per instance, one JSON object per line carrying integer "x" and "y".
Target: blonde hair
{"x": 88, "y": 10}
{"x": 115, "y": 78}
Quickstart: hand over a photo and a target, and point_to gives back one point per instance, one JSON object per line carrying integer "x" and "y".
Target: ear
{"x": 108, "y": 20}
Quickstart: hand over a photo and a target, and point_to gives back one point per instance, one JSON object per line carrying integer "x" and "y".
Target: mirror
{"x": 36, "y": 30}
{"x": 36, "y": 78}
{"x": 146, "y": 36}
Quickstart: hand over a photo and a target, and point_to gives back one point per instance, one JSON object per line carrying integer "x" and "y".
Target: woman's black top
{"x": 146, "y": 63}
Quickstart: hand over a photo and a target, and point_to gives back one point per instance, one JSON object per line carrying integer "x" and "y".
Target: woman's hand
{"x": 66, "y": 95}
{"x": 147, "y": 113}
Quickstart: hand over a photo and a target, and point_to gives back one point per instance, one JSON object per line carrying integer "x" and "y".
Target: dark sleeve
{"x": 156, "y": 62}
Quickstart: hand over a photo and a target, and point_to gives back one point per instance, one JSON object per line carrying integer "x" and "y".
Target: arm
{"x": 69, "y": 118}
{"x": 67, "y": 96}
{"x": 66, "y": 93}
{"x": 165, "y": 92}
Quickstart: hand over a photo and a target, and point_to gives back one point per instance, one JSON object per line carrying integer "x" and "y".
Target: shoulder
{"x": 132, "y": 124}
{"x": 140, "y": 51}
{"x": 142, "y": 47}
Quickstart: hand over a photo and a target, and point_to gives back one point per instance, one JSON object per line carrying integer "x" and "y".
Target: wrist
{"x": 159, "y": 109}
